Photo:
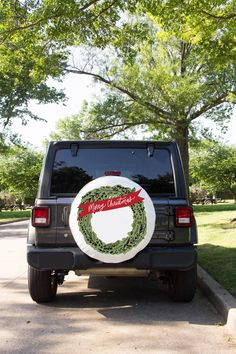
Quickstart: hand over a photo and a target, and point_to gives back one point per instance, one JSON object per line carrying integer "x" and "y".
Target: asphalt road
{"x": 99, "y": 315}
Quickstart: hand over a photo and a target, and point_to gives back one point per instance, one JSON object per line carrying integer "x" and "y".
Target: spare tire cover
{"x": 112, "y": 218}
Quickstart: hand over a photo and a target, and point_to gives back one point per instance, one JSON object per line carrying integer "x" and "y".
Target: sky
{"x": 77, "y": 89}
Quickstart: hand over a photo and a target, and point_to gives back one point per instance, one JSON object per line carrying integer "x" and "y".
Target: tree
{"x": 162, "y": 83}
{"x": 36, "y": 37}
{"x": 213, "y": 167}
{"x": 19, "y": 172}
{"x": 27, "y": 60}
{"x": 34, "y": 41}
{"x": 210, "y": 24}
{"x": 162, "y": 79}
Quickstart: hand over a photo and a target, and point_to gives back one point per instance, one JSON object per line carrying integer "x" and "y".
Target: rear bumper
{"x": 72, "y": 258}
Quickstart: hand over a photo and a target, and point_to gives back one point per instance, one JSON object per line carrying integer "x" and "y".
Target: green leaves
{"x": 34, "y": 41}
{"x": 209, "y": 24}
{"x": 160, "y": 83}
{"x": 166, "y": 63}
{"x": 213, "y": 166}
{"x": 19, "y": 172}
{"x": 27, "y": 60}
{"x": 35, "y": 37}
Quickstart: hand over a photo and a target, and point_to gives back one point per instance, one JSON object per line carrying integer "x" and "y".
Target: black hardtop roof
{"x": 111, "y": 143}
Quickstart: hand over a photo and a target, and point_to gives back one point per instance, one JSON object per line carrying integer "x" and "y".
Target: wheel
{"x": 182, "y": 284}
{"x": 42, "y": 285}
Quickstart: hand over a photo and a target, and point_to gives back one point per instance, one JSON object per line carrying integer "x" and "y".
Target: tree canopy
{"x": 27, "y": 60}
{"x": 213, "y": 167}
{"x": 19, "y": 172}
{"x": 164, "y": 63}
{"x": 209, "y": 24}
{"x": 35, "y": 37}
{"x": 159, "y": 82}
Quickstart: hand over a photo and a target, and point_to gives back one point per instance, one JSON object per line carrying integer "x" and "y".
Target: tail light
{"x": 183, "y": 216}
{"x": 41, "y": 216}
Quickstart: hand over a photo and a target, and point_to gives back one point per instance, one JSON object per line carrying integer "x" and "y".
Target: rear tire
{"x": 42, "y": 285}
{"x": 182, "y": 284}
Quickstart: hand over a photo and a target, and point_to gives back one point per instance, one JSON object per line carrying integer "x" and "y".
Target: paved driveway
{"x": 99, "y": 315}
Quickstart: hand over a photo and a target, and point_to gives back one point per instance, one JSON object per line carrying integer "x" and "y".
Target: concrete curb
{"x": 223, "y": 301}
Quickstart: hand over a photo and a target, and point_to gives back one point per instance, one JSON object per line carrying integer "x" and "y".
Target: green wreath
{"x": 139, "y": 225}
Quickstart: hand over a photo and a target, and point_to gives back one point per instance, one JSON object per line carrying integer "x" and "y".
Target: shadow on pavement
{"x": 16, "y": 229}
{"x": 134, "y": 300}
{"x": 82, "y": 305}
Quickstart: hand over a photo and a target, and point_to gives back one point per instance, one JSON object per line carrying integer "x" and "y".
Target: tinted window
{"x": 71, "y": 173}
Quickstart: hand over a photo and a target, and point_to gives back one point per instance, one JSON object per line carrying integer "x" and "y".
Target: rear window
{"x": 71, "y": 173}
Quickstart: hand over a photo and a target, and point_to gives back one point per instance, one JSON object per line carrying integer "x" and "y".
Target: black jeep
{"x": 70, "y": 165}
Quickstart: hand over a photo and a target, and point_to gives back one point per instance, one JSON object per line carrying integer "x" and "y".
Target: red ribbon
{"x": 111, "y": 203}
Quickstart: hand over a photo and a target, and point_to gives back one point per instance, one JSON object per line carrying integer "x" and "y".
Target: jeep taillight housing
{"x": 41, "y": 216}
{"x": 183, "y": 216}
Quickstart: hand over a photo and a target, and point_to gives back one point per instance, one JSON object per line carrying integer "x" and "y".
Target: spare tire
{"x": 112, "y": 218}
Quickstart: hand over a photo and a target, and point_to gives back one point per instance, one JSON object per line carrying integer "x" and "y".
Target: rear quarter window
{"x": 153, "y": 173}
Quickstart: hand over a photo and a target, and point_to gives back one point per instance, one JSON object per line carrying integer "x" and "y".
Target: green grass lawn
{"x": 217, "y": 242}
{"x": 7, "y": 215}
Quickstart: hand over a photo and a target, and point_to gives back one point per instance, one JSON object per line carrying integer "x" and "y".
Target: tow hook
{"x": 60, "y": 278}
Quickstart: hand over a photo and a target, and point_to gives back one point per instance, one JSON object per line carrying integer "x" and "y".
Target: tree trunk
{"x": 182, "y": 137}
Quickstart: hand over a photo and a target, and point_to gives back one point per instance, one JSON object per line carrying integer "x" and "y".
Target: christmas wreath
{"x": 129, "y": 241}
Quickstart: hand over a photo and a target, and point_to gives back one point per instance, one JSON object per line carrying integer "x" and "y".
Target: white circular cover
{"x": 115, "y": 222}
